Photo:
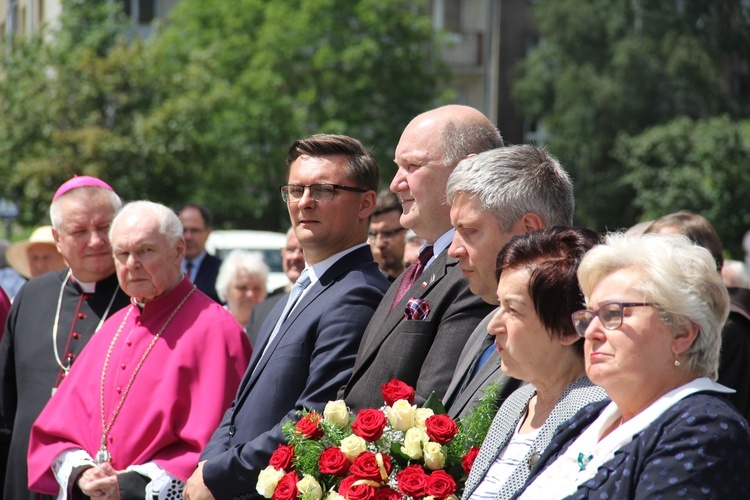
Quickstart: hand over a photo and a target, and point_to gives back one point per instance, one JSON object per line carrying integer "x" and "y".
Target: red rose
{"x": 467, "y": 461}
{"x": 308, "y": 425}
{"x": 386, "y": 493}
{"x": 282, "y": 457}
{"x": 369, "y": 424}
{"x": 359, "y": 491}
{"x": 411, "y": 481}
{"x": 333, "y": 461}
{"x": 441, "y": 428}
{"x": 394, "y": 390}
{"x": 366, "y": 466}
{"x": 440, "y": 484}
{"x": 287, "y": 487}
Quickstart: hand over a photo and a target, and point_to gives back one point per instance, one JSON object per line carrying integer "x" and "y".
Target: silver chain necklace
{"x": 103, "y": 454}
{"x": 66, "y": 367}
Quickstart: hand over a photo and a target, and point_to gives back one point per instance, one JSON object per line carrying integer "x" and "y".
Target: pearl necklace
{"x": 66, "y": 367}
{"x": 103, "y": 455}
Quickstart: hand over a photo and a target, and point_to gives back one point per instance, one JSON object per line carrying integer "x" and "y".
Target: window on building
{"x": 452, "y": 18}
{"x": 146, "y": 11}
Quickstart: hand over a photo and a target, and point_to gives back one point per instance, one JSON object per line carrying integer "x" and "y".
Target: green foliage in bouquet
{"x": 474, "y": 427}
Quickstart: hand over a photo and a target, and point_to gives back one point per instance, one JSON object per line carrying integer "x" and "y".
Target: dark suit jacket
{"x": 205, "y": 277}
{"x": 307, "y": 361}
{"x": 734, "y": 360}
{"x": 460, "y": 400}
{"x": 698, "y": 448}
{"x": 421, "y": 353}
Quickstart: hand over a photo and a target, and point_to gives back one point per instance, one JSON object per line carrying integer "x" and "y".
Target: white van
{"x": 267, "y": 243}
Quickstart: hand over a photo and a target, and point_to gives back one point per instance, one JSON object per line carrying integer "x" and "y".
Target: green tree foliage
{"x": 207, "y": 108}
{"x": 252, "y": 76}
{"x": 696, "y": 165}
{"x": 610, "y": 67}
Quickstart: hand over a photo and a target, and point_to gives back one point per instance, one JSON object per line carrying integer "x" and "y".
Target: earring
{"x": 676, "y": 361}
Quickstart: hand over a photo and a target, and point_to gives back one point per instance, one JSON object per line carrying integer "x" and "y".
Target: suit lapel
{"x": 388, "y": 321}
{"x": 468, "y": 360}
{"x": 340, "y": 267}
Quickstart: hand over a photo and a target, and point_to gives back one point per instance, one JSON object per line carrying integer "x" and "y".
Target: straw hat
{"x": 17, "y": 255}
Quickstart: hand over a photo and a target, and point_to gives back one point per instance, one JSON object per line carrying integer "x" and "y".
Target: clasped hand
{"x": 100, "y": 482}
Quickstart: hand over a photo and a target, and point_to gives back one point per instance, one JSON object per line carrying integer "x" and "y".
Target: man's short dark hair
{"x": 208, "y": 217}
{"x": 363, "y": 169}
{"x": 697, "y": 228}
{"x": 388, "y": 201}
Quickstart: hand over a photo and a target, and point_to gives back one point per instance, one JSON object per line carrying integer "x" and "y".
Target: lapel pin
{"x": 424, "y": 284}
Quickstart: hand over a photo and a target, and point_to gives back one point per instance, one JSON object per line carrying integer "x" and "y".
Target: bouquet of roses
{"x": 394, "y": 452}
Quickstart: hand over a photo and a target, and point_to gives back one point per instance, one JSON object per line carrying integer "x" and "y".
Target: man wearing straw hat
{"x": 54, "y": 316}
{"x": 37, "y": 255}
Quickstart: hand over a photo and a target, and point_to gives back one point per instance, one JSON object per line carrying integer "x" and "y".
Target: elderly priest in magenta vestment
{"x": 147, "y": 392}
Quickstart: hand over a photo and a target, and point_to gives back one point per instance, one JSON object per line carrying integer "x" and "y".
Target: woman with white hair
{"x": 652, "y": 335}
{"x": 241, "y": 283}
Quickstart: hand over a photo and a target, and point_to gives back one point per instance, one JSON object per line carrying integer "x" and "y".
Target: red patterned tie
{"x": 411, "y": 275}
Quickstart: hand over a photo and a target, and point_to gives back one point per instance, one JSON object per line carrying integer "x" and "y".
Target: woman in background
{"x": 241, "y": 283}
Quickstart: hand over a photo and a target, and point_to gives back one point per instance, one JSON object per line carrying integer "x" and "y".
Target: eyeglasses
{"x": 322, "y": 193}
{"x": 385, "y": 235}
{"x": 610, "y": 314}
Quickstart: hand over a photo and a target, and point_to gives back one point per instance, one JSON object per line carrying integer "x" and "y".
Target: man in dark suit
{"x": 494, "y": 196}
{"x": 200, "y": 266}
{"x": 306, "y": 347}
{"x": 421, "y": 348}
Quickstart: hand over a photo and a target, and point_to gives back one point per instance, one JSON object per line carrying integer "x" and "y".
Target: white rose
{"x": 334, "y": 495}
{"x": 336, "y": 413}
{"x": 267, "y": 481}
{"x": 309, "y": 488}
{"x": 401, "y": 415}
{"x": 433, "y": 456}
{"x": 452, "y": 497}
{"x": 352, "y": 446}
{"x": 414, "y": 439}
{"x": 421, "y": 416}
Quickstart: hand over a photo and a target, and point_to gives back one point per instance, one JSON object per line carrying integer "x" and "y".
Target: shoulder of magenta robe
{"x": 175, "y": 402}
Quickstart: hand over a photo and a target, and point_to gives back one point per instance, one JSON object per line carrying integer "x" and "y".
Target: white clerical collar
{"x": 87, "y": 287}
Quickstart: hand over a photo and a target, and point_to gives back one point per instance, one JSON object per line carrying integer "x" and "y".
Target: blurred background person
{"x": 652, "y": 329}
{"x": 734, "y": 274}
{"x": 10, "y": 280}
{"x": 386, "y": 235}
{"x": 241, "y": 283}
{"x": 734, "y": 363}
{"x": 200, "y": 266}
{"x": 537, "y": 292}
{"x": 292, "y": 262}
{"x": 37, "y": 255}
{"x": 412, "y": 244}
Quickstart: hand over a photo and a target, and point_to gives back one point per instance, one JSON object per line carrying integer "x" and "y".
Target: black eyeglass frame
{"x": 284, "y": 190}
{"x": 385, "y": 235}
{"x": 595, "y": 314}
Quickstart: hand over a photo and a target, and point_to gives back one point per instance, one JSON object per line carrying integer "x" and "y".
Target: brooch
{"x": 584, "y": 460}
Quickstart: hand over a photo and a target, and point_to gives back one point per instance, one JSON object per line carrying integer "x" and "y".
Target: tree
{"x": 250, "y": 77}
{"x": 207, "y": 108}
{"x": 694, "y": 165}
{"x": 611, "y": 67}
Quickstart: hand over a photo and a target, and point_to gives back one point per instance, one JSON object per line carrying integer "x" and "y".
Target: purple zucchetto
{"x": 80, "y": 181}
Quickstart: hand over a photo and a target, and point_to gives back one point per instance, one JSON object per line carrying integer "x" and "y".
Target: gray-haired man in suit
{"x": 494, "y": 196}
